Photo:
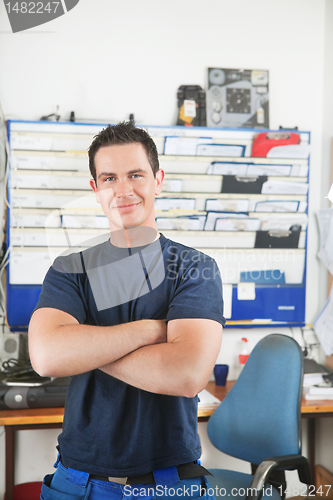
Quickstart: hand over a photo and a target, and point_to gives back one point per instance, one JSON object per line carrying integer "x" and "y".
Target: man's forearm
{"x": 178, "y": 368}
{"x": 69, "y": 349}
{"x": 157, "y": 368}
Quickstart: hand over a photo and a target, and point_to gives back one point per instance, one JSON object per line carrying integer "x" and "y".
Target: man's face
{"x": 125, "y": 185}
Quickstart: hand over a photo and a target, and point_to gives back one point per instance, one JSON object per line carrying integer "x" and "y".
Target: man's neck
{"x": 134, "y": 236}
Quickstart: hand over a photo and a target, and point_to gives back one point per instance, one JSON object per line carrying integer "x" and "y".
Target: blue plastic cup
{"x": 220, "y": 374}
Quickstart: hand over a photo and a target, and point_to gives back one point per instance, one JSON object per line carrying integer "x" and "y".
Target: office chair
{"x": 259, "y": 421}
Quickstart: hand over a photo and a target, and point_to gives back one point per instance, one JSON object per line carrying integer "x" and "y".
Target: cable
{"x": 2, "y": 292}
{"x": 308, "y": 348}
{"x": 4, "y": 172}
{"x": 14, "y": 366}
{"x": 18, "y": 372}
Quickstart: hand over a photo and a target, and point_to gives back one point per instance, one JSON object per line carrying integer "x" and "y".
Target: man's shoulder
{"x": 76, "y": 262}
{"x": 185, "y": 253}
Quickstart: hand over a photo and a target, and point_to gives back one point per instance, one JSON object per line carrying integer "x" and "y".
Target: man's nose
{"x": 123, "y": 189}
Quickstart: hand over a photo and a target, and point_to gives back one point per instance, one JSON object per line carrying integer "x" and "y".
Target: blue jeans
{"x": 70, "y": 484}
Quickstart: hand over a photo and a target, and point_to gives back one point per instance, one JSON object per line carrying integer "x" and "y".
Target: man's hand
{"x": 59, "y": 346}
{"x": 155, "y": 330}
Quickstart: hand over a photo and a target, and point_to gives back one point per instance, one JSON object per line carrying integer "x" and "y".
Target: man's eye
{"x": 136, "y": 176}
{"x": 108, "y": 179}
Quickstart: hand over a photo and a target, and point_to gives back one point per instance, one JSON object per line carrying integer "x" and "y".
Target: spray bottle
{"x": 244, "y": 354}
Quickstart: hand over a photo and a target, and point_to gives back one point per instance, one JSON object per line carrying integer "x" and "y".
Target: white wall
{"x": 106, "y": 59}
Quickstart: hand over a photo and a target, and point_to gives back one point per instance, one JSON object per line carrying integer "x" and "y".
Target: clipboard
{"x": 278, "y": 239}
{"x": 243, "y": 184}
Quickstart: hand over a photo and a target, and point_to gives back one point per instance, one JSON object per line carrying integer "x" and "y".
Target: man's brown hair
{"x": 123, "y": 133}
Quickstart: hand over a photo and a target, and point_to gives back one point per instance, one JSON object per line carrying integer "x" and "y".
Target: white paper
{"x": 85, "y": 222}
{"x": 54, "y": 237}
{"x": 172, "y": 165}
{"x": 207, "y": 399}
{"x": 175, "y": 204}
{"x": 323, "y": 326}
{"x": 323, "y": 389}
{"x": 28, "y": 199}
{"x": 312, "y": 397}
{"x": 220, "y": 150}
{"x": 183, "y": 145}
{"x": 190, "y": 108}
{"x": 312, "y": 379}
{"x": 299, "y": 171}
{"x": 28, "y": 267}
{"x": 246, "y": 291}
{"x": 219, "y": 168}
{"x": 49, "y": 161}
{"x": 227, "y": 205}
{"x": 26, "y": 180}
{"x": 26, "y": 141}
{"x": 235, "y": 240}
{"x": 302, "y": 207}
{"x": 290, "y": 151}
{"x": 278, "y": 187}
{"x": 181, "y": 223}
{"x": 172, "y": 185}
{"x": 275, "y": 170}
{"x": 19, "y": 219}
{"x": 241, "y": 224}
{"x": 276, "y": 206}
{"x": 325, "y": 225}
{"x": 213, "y": 216}
{"x": 227, "y": 300}
{"x": 284, "y": 223}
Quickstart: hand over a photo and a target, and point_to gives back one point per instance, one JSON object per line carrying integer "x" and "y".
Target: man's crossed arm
{"x": 175, "y": 359}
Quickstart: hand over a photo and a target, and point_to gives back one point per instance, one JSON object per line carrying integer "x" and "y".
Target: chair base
{"x": 233, "y": 485}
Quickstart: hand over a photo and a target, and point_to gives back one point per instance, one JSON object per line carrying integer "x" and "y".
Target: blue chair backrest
{"x": 260, "y": 417}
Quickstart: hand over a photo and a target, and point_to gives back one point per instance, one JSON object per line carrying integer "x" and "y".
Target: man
{"x": 136, "y": 321}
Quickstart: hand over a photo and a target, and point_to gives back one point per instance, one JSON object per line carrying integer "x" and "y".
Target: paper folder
{"x": 227, "y": 205}
{"x": 228, "y": 223}
{"x": 26, "y": 179}
{"x": 174, "y": 204}
{"x": 183, "y": 223}
{"x": 278, "y": 206}
{"x": 227, "y": 168}
{"x": 220, "y": 150}
{"x": 49, "y": 160}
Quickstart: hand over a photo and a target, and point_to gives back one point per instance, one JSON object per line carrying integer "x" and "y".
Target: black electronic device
{"x": 191, "y": 105}
{"x": 33, "y": 393}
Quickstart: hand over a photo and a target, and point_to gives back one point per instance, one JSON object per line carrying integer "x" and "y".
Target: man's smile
{"x": 129, "y": 207}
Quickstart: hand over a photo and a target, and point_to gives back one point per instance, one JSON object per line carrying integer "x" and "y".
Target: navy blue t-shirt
{"x": 111, "y": 428}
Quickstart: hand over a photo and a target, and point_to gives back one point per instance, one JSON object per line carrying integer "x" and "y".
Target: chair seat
{"x": 27, "y": 491}
{"x": 233, "y": 485}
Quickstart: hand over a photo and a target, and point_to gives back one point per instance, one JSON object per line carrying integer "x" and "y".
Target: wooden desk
{"x": 52, "y": 418}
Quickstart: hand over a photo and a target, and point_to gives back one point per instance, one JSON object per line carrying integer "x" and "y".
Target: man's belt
{"x": 185, "y": 471}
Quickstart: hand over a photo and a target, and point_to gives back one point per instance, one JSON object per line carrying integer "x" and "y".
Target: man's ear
{"x": 94, "y": 188}
{"x": 159, "y": 180}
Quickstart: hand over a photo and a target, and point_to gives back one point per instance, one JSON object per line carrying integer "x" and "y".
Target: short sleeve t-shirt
{"x": 111, "y": 428}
